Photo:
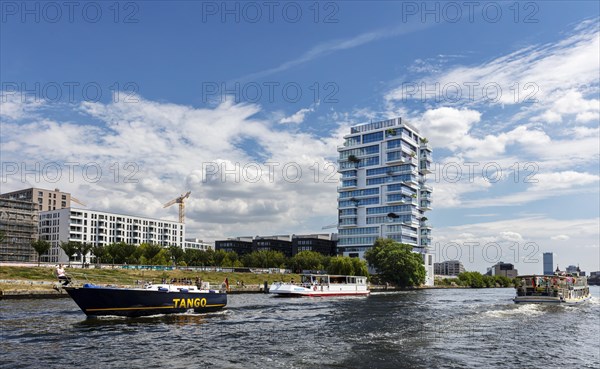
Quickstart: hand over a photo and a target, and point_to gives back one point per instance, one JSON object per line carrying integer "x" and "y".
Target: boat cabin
{"x": 325, "y": 280}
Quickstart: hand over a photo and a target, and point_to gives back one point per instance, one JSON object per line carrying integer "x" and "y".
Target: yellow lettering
{"x": 175, "y": 301}
{"x": 196, "y": 302}
{"x": 182, "y": 304}
{"x": 190, "y": 303}
{"x": 203, "y": 302}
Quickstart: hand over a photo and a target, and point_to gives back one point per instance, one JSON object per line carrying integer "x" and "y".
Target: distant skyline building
{"x": 449, "y": 267}
{"x": 103, "y": 228}
{"x": 503, "y": 269}
{"x": 383, "y": 190}
{"x": 548, "y": 263}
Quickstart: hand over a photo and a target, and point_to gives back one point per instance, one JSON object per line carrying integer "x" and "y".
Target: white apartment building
{"x": 104, "y": 228}
{"x": 383, "y": 191}
{"x": 197, "y": 244}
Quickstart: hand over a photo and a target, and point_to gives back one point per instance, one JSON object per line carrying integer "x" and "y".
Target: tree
{"x": 121, "y": 252}
{"x": 396, "y": 263}
{"x": 345, "y": 265}
{"x": 176, "y": 253}
{"x": 340, "y": 265}
{"x": 83, "y": 249}
{"x": 69, "y": 248}
{"x": 308, "y": 260}
{"x": 264, "y": 259}
{"x": 41, "y": 247}
{"x": 99, "y": 251}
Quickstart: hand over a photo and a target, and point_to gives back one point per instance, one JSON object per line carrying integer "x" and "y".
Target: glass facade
{"x": 383, "y": 191}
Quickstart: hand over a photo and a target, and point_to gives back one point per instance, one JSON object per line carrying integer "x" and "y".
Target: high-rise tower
{"x": 383, "y": 191}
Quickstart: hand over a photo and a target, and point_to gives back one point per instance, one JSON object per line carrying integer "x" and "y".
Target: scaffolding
{"x": 18, "y": 228}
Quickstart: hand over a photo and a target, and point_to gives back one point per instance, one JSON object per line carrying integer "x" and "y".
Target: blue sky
{"x": 165, "y": 119}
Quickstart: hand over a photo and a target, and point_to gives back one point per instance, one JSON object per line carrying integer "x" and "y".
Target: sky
{"x": 128, "y": 105}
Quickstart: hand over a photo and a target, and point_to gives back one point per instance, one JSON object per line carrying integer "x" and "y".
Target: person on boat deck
{"x": 62, "y": 275}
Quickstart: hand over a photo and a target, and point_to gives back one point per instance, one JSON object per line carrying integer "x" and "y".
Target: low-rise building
{"x": 503, "y": 269}
{"x": 289, "y": 245}
{"x": 449, "y": 267}
{"x": 197, "y": 244}
{"x": 239, "y": 245}
{"x": 322, "y": 243}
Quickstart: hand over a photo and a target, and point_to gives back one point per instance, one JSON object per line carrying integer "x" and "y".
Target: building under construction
{"x": 18, "y": 228}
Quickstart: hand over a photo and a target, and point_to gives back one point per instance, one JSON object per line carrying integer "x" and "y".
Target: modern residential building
{"x": 289, "y": 245}
{"x": 548, "y": 258}
{"x": 449, "y": 267}
{"x": 103, "y": 228}
{"x": 19, "y": 226}
{"x": 43, "y": 199}
{"x": 503, "y": 269}
{"x": 383, "y": 190}
{"x": 197, "y": 244}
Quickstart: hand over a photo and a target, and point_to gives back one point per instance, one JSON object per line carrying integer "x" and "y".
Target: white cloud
{"x": 535, "y": 72}
{"x": 521, "y": 241}
{"x": 167, "y": 149}
{"x": 299, "y": 116}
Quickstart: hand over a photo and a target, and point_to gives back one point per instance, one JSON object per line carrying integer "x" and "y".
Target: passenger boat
{"x": 321, "y": 285}
{"x": 147, "y": 300}
{"x": 552, "y": 289}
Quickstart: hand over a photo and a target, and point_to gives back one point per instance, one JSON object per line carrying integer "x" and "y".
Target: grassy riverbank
{"x": 15, "y": 277}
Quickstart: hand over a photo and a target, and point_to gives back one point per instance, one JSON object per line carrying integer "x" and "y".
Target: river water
{"x": 455, "y": 328}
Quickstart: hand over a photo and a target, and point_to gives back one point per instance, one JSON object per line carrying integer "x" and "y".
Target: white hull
{"x": 548, "y": 300}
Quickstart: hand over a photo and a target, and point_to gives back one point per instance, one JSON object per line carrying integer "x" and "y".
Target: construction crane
{"x": 179, "y": 200}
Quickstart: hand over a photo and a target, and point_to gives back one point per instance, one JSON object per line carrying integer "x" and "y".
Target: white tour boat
{"x": 552, "y": 289}
{"x": 321, "y": 285}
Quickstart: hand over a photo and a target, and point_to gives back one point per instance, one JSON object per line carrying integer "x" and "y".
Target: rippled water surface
{"x": 417, "y": 329}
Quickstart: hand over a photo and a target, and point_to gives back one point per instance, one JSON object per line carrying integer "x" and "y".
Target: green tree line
{"x": 477, "y": 280}
{"x": 151, "y": 254}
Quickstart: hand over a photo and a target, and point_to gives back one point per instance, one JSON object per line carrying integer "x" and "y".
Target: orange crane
{"x": 179, "y": 200}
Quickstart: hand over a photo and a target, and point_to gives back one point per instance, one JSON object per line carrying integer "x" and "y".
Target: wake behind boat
{"x": 552, "y": 289}
{"x": 319, "y": 285}
{"x": 148, "y": 300}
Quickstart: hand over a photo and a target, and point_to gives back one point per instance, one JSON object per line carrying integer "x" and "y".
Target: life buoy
{"x": 314, "y": 288}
